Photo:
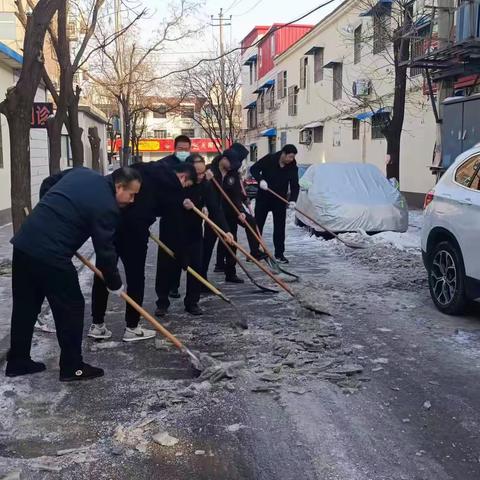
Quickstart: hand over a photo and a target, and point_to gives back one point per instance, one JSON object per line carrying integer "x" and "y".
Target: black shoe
{"x": 234, "y": 279}
{"x": 194, "y": 310}
{"x": 174, "y": 294}
{"x": 219, "y": 268}
{"x": 85, "y": 372}
{"x": 260, "y": 256}
{"x": 15, "y": 368}
{"x": 281, "y": 259}
{"x": 161, "y": 311}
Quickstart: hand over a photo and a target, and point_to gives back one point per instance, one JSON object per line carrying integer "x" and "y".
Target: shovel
{"x": 241, "y": 322}
{"x": 195, "y": 361}
{"x": 345, "y": 242}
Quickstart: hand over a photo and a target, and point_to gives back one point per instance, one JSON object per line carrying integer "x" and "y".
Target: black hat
{"x": 236, "y": 154}
{"x": 241, "y": 151}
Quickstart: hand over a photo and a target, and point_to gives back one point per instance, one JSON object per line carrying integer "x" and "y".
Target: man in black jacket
{"x": 225, "y": 170}
{"x": 279, "y": 172}
{"x": 203, "y": 196}
{"x": 80, "y": 205}
{"x": 161, "y": 195}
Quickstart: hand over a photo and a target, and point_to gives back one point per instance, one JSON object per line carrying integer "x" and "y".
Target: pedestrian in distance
{"x": 81, "y": 204}
{"x": 161, "y": 195}
{"x": 182, "y": 146}
{"x": 205, "y": 198}
{"x": 279, "y": 172}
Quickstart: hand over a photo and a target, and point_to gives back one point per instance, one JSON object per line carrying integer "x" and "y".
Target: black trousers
{"x": 132, "y": 247}
{"x": 169, "y": 273}
{"x": 279, "y": 212}
{"x": 224, "y": 258}
{"x": 32, "y": 282}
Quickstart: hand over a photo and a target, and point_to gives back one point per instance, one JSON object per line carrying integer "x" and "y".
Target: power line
{"x": 249, "y": 10}
{"x": 233, "y": 50}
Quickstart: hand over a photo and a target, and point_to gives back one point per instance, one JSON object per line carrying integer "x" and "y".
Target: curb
{"x": 5, "y": 341}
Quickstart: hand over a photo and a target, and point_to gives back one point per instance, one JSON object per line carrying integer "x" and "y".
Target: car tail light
{"x": 428, "y": 199}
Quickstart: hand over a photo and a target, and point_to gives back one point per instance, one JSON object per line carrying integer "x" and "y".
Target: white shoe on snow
{"x": 138, "y": 334}
{"x": 99, "y": 332}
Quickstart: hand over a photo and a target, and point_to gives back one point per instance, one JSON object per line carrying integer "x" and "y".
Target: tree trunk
{"x": 17, "y": 107}
{"x": 75, "y": 131}
{"x": 95, "y": 146}
{"x": 54, "y": 130}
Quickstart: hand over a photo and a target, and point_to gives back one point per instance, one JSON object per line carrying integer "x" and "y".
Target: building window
{"x": 160, "y": 112}
{"x": 303, "y": 72}
{"x": 253, "y": 153}
{"x": 318, "y": 134}
{"x": 251, "y": 73}
{"x": 379, "y": 121}
{"x": 355, "y": 129}
{"x": 282, "y": 84}
{"x": 283, "y": 139}
{"x": 417, "y": 49}
{"x": 252, "y": 118}
{"x": 292, "y": 100}
{"x": 189, "y": 132}
{"x": 337, "y": 81}
{"x": 261, "y": 102}
{"x": 272, "y": 45}
{"x": 160, "y": 133}
{"x": 318, "y": 65}
{"x": 270, "y": 100}
{"x": 357, "y": 44}
{"x": 187, "y": 111}
{"x": 8, "y": 26}
{"x": 66, "y": 151}
{"x": 381, "y": 28}
{"x": 272, "y": 144}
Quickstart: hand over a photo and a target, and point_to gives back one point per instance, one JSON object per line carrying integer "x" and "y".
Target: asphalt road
{"x": 411, "y": 414}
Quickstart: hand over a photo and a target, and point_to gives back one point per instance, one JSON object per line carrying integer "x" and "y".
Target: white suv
{"x": 451, "y": 235}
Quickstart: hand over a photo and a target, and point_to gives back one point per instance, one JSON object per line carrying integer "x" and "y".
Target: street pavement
{"x": 383, "y": 389}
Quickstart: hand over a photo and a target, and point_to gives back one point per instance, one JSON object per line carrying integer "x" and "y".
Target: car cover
{"x": 349, "y": 197}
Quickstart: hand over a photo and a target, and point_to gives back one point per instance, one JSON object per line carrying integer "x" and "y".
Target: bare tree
{"x": 18, "y": 104}
{"x": 127, "y": 70}
{"x": 388, "y": 35}
{"x": 204, "y": 83}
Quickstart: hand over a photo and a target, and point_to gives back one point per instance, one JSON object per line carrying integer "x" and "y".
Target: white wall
{"x": 86, "y": 121}
{"x": 6, "y": 80}
{"x": 315, "y": 103}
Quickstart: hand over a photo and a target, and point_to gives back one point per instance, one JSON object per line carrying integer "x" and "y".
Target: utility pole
{"x": 119, "y": 50}
{"x": 223, "y": 120}
{"x": 446, "y": 11}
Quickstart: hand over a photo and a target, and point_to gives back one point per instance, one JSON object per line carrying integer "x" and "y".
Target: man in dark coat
{"x": 279, "y": 172}
{"x": 161, "y": 195}
{"x": 225, "y": 170}
{"x": 80, "y": 205}
{"x": 203, "y": 196}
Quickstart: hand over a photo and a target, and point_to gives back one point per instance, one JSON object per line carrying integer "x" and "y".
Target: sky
{"x": 245, "y": 15}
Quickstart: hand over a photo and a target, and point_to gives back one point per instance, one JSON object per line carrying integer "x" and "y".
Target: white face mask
{"x": 182, "y": 156}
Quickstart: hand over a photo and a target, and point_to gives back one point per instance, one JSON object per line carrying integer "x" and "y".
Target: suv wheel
{"x": 446, "y": 279}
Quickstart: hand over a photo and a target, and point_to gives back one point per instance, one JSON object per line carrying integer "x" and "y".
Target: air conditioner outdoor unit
{"x": 361, "y": 88}
{"x": 306, "y": 136}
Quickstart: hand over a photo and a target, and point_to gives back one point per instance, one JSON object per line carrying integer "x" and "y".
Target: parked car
{"x": 451, "y": 235}
{"x": 351, "y": 197}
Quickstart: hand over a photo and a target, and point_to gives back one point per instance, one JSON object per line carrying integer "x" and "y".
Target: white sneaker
{"x": 137, "y": 334}
{"x": 100, "y": 332}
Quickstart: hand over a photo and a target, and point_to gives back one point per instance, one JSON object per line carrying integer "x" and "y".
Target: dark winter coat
{"x": 231, "y": 184}
{"x": 169, "y": 160}
{"x": 279, "y": 179}
{"x": 79, "y": 205}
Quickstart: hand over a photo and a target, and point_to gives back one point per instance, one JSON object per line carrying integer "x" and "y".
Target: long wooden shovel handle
{"x": 256, "y": 234}
{"x": 253, "y": 259}
{"x": 190, "y": 270}
{"x": 305, "y": 215}
{"x": 158, "y": 326}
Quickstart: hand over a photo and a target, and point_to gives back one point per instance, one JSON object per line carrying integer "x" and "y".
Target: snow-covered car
{"x": 351, "y": 197}
{"x": 451, "y": 235}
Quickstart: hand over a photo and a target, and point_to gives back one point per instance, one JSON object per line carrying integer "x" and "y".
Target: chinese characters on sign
{"x": 200, "y": 145}
{"x": 40, "y": 114}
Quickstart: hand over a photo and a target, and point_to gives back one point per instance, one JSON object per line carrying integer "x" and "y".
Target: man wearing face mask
{"x": 203, "y": 195}
{"x": 182, "y": 145}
